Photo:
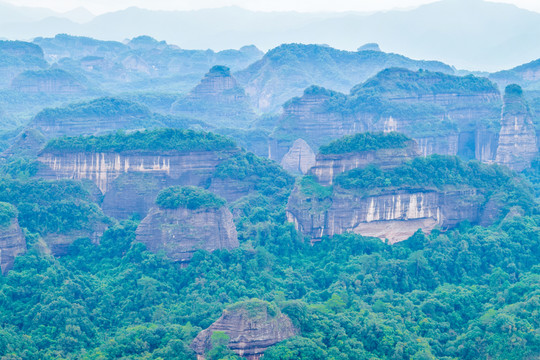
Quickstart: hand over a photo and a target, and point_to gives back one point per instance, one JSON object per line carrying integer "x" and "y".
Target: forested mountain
{"x": 305, "y": 203}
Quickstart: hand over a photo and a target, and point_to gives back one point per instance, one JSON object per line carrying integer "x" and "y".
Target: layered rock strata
{"x": 518, "y": 144}
{"x": 180, "y": 232}
{"x": 299, "y": 159}
{"x": 327, "y": 167}
{"x": 12, "y": 243}
{"x": 251, "y": 327}
{"x": 393, "y": 215}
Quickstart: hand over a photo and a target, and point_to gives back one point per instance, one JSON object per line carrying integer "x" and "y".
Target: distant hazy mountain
{"x": 471, "y": 34}
{"x": 285, "y": 71}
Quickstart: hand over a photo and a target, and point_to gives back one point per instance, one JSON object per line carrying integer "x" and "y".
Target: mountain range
{"x": 468, "y": 34}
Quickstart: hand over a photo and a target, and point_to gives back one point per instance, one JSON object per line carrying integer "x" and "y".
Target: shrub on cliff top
{"x": 190, "y": 197}
{"x": 364, "y": 142}
{"x": 255, "y": 308}
{"x": 154, "y": 140}
{"x": 7, "y": 213}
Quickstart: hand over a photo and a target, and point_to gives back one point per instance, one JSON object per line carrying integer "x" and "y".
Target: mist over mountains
{"x": 472, "y": 34}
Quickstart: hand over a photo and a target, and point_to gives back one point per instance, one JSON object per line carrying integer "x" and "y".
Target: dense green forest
{"x": 365, "y": 142}
{"x": 469, "y": 293}
{"x": 159, "y": 139}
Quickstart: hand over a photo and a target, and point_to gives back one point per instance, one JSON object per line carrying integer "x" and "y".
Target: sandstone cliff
{"x": 328, "y": 166}
{"x": 395, "y": 201}
{"x": 299, "y": 159}
{"x": 517, "y": 139}
{"x": 394, "y": 215}
{"x": 252, "y": 327}
{"x": 445, "y": 114}
{"x": 12, "y": 241}
{"x": 182, "y": 229}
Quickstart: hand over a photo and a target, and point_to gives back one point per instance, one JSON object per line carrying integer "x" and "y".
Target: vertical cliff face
{"x": 180, "y": 232}
{"x": 189, "y": 168}
{"x": 252, "y": 327}
{"x": 12, "y": 241}
{"x": 392, "y": 215}
{"x": 517, "y": 139}
{"x": 299, "y": 159}
{"x": 441, "y": 112}
{"x": 130, "y": 181}
{"x": 328, "y": 166}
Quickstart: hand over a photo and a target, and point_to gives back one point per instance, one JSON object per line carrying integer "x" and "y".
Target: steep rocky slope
{"x": 526, "y": 75}
{"x": 445, "y": 114}
{"x": 518, "y": 143}
{"x": 299, "y": 159}
{"x": 12, "y": 241}
{"x": 392, "y": 203}
{"x": 288, "y": 69}
{"x": 185, "y": 220}
{"x": 217, "y": 99}
{"x": 252, "y": 327}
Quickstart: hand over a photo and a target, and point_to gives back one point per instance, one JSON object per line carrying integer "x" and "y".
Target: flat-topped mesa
{"x": 12, "y": 241}
{"x": 130, "y": 169}
{"x": 251, "y": 327}
{"x": 185, "y": 220}
{"x": 384, "y": 150}
{"x": 393, "y": 203}
{"x": 518, "y": 143}
{"x": 445, "y": 114}
{"x": 53, "y": 81}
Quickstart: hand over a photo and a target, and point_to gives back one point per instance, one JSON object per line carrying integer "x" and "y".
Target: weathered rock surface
{"x": 445, "y": 114}
{"x": 517, "y": 139}
{"x": 394, "y": 215}
{"x": 130, "y": 181}
{"x": 327, "y": 167}
{"x": 180, "y": 232}
{"x": 252, "y": 327}
{"x": 12, "y": 243}
{"x": 299, "y": 159}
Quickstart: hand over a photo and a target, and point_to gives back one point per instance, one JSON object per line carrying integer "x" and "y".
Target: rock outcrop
{"x": 394, "y": 215}
{"x": 17, "y": 57}
{"x": 217, "y": 99}
{"x": 328, "y": 166}
{"x": 299, "y": 159}
{"x": 252, "y": 327}
{"x": 445, "y": 114}
{"x": 12, "y": 241}
{"x": 517, "y": 139}
{"x": 393, "y": 199}
{"x": 184, "y": 229}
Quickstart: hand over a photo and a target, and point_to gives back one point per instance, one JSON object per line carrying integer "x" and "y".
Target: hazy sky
{"x": 100, "y": 6}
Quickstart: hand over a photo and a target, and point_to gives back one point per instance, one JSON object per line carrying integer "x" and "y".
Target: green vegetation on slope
{"x": 365, "y": 142}
{"x": 151, "y": 140}
{"x": 190, "y": 197}
{"x": 7, "y": 213}
{"x": 46, "y": 207}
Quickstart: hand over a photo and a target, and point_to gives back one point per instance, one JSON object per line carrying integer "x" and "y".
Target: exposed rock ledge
{"x": 180, "y": 232}
{"x": 252, "y": 326}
